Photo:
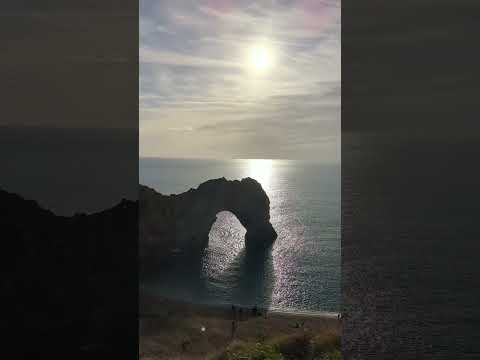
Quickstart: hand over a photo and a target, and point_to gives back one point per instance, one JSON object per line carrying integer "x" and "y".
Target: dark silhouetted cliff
{"x": 68, "y": 280}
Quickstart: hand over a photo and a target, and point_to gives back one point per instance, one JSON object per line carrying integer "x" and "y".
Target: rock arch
{"x": 181, "y": 223}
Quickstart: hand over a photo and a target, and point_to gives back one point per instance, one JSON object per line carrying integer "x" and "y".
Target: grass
{"x": 296, "y": 346}
{"x": 170, "y": 325}
{"x": 249, "y": 351}
{"x": 324, "y": 346}
{"x": 326, "y": 343}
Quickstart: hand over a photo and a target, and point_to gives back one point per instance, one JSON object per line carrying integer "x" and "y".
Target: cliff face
{"x": 182, "y": 222}
{"x": 69, "y": 278}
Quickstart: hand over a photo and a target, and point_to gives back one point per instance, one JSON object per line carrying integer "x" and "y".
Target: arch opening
{"x": 227, "y": 231}
{"x": 226, "y": 240}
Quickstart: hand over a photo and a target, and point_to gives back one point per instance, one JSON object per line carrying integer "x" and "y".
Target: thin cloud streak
{"x": 171, "y": 58}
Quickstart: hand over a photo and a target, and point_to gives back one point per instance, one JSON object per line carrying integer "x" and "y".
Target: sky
{"x": 240, "y": 79}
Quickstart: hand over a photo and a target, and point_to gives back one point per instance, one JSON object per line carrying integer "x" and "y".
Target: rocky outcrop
{"x": 181, "y": 223}
{"x": 70, "y": 281}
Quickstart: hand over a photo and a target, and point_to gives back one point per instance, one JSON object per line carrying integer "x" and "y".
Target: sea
{"x": 410, "y": 245}
{"x": 302, "y": 270}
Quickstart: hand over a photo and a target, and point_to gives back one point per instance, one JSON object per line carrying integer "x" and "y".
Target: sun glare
{"x": 260, "y": 58}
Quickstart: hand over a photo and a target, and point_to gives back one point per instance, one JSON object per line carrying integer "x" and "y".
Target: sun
{"x": 260, "y": 58}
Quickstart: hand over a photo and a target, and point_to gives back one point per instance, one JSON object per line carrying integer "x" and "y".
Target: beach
{"x": 176, "y": 330}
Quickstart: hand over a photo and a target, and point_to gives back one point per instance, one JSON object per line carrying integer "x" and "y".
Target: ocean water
{"x": 301, "y": 272}
{"x": 410, "y": 243}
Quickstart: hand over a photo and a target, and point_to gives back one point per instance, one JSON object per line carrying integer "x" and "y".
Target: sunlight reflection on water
{"x": 300, "y": 272}
{"x": 260, "y": 170}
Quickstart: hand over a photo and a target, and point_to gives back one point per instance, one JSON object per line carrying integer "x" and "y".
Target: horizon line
{"x": 232, "y": 158}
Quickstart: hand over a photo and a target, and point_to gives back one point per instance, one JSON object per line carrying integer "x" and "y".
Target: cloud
{"x": 161, "y": 28}
{"x": 197, "y": 95}
{"x": 185, "y": 128}
{"x": 177, "y": 59}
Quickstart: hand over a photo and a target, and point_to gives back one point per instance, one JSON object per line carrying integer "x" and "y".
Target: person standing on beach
{"x": 234, "y": 329}
{"x": 234, "y": 312}
{"x": 185, "y": 344}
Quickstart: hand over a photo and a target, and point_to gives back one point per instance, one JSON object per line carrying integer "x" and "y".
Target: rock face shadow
{"x": 253, "y": 278}
{"x": 248, "y": 280}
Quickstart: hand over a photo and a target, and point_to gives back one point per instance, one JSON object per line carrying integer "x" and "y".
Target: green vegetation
{"x": 331, "y": 355}
{"x": 301, "y": 346}
{"x": 248, "y": 351}
{"x": 326, "y": 345}
{"x": 296, "y": 346}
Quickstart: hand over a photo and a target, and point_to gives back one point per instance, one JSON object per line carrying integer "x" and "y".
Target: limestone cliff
{"x": 181, "y": 223}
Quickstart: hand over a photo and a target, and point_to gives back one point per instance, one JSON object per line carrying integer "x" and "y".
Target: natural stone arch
{"x": 182, "y": 222}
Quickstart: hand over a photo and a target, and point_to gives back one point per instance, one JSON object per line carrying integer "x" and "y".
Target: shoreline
{"x": 151, "y": 300}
